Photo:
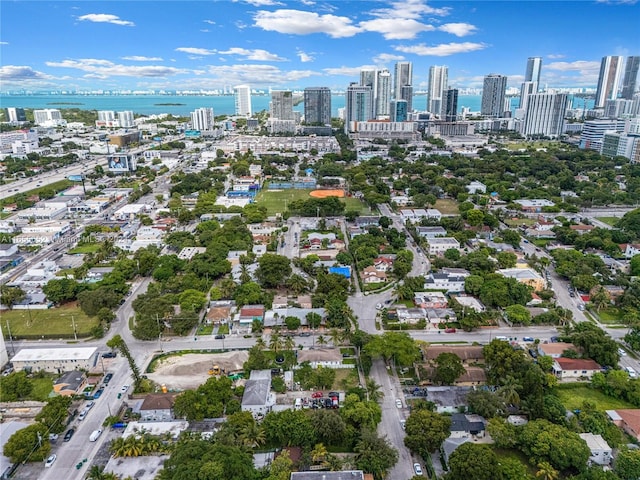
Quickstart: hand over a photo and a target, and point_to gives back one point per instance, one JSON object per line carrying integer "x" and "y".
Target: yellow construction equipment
{"x": 215, "y": 370}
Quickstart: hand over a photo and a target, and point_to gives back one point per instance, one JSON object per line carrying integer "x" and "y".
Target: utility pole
{"x": 13, "y": 348}
{"x": 159, "y": 332}
{"x": 73, "y": 324}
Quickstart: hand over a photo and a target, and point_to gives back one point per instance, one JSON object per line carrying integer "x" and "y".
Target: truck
{"x": 95, "y": 434}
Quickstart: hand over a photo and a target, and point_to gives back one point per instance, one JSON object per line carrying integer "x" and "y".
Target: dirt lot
{"x": 184, "y": 372}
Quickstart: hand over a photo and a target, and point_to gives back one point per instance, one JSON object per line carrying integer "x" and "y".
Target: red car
{"x": 450, "y": 330}
{"x": 317, "y": 395}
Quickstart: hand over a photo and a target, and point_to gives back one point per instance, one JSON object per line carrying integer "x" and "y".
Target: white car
{"x": 398, "y": 403}
{"x": 622, "y": 352}
{"x": 89, "y": 405}
{"x": 403, "y": 424}
{"x": 124, "y": 388}
{"x": 379, "y": 306}
{"x": 50, "y": 460}
{"x": 417, "y": 468}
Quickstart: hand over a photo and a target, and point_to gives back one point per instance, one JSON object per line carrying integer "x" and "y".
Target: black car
{"x": 69, "y": 434}
{"x": 109, "y": 355}
{"x": 219, "y": 337}
{"x": 107, "y": 378}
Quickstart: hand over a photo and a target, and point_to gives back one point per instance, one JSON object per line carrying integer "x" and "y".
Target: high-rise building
{"x": 202, "y": 119}
{"x": 407, "y": 94}
{"x": 438, "y": 82}
{"x": 358, "y": 105}
{"x": 545, "y": 115}
{"x": 403, "y": 77}
{"x": 317, "y": 105}
{"x": 125, "y": 119}
{"x": 450, "y": 105}
{"x": 13, "y": 114}
{"x": 527, "y": 89}
{"x": 608, "y": 80}
{"x": 618, "y": 108}
{"x": 243, "y": 100}
{"x": 382, "y": 93}
{"x": 493, "y": 91}
{"x": 534, "y": 66}
{"x": 106, "y": 116}
{"x": 368, "y": 78}
{"x": 398, "y": 110}
{"x": 630, "y": 77}
{"x": 48, "y": 116}
{"x": 282, "y": 104}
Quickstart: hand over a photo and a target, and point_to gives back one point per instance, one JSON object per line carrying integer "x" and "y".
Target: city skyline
{"x": 292, "y": 45}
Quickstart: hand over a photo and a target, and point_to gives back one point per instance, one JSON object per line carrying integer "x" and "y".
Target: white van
{"x": 500, "y": 337}
{"x": 94, "y": 435}
{"x": 298, "y": 404}
{"x": 632, "y": 373}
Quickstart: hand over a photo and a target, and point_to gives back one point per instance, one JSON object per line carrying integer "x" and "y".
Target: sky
{"x": 207, "y": 45}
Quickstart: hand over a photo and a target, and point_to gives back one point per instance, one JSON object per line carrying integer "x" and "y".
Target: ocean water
{"x": 184, "y": 104}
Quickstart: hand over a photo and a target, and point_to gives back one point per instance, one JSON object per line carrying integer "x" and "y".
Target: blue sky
{"x": 267, "y": 43}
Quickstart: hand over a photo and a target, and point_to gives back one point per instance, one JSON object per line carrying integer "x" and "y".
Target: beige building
{"x": 54, "y": 360}
{"x": 527, "y": 276}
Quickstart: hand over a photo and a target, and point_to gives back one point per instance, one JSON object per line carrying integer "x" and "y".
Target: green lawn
{"x": 345, "y": 378}
{"x": 447, "y": 206}
{"x": 609, "y": 220}
{"x": 516, "y": 222}
{"x": 50, "y": 323}
{"x": 85, "y": 248}
{"x": 42, "y": 387}
{"x": 610, "y": 316}
{"x": 572, "y": 399}
{"x": 276, "y": 201}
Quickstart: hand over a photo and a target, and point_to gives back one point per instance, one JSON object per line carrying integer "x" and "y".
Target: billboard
{"x": 121, "y": 163}
{"x": 75, "y": 178}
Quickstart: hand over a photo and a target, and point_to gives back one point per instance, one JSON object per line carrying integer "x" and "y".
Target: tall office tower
{"x": 243, "y": 100}
{"x": 407, "y": 94}
{"x": 618, "y": 108}
{"x": 125, "y": 119}
{"x": 438, "y": 81}
{"x": 527, "y": 88}
{"x": 403, "y": 77}
{"x": 382, "y": 93}
{"x": 358, "y": 105}
{"x": 48, "y": 115}
{"x": 399, "y": 111}
{"x": 368, "y": 78}
{"x": 282, "y": 104}
{"x": 202, "y": 119}
{"x": 13, "y": 114}
{"x": 450, "y": 105}
{"x": 534, "y": 66}
{"x": 545, "y": 115}
{"x": 317, "y": 105}
{"x": 630, "y": 77}
{"x": 493, "y": 95}
{"x": 107, "y": 116}
{"x": 609, "y": 80}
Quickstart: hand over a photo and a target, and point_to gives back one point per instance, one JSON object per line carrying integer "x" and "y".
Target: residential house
{"x": 630, "y": 250}
{"x": 599, "y": 448}
{"x": 249, "y": 313}
{"x": 371, "y": 275}
{"x": 187, "y": 253}
{"x": 476, "y": 187}
{"x": 410, "y": 315}
{"x": 325, "y": 475}
{"x": 628, "y": 420}
{"x": 575, "y": 368}
{"x": 554, "y": 350}
{"x": 218, "y": 314}
{"x": 439, "y": 245}
{"x": 449, "y": 281}
{"x": 535, "y": 205}
{"x": 467, "y": 425}
{"x": 257, "y": 397}
{"x": 367, "y": 221}
{"x": 451, "y": 444}
{"x": 545, "y": 225}
{"x": 430, "y": 300}
{"x": 436, "y": 316}
{"x": 323, "y": 357}
{"x": 431, "y": 232}
{"x": 237, "y": 271}
{"x": 234, "y": 256}
{"x": 157, "y": 407}
{"x": 279, "y": 301}
{"x": 472, "y": 303}
{"x": 448, "y": 399}
{"x": 581, "y": 229}
{"x": 96, "y": 274}
{"x": 70, "y": 383}
{"x": 526, "y": 276}
{"x": 383, "y": 264}
{"x": 468, "y": 354}
{"x": 304, "y": 301}
{"x": 276, "y": 316}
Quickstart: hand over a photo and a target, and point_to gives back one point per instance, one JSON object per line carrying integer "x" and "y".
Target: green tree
{"x": 29, "y": 444}
{"x": 635, "y": 265}
{"x": 15, "y": 386}
{"x": 54, "y": 414}
{"x": 546, "y": 471}
{"x": 118, "y": 343}
{"x": 474, "y": 461}
{"x": 518, "y": 315}
{"x": 374, "y": 454}
{"x": 329, "y": 426}
{"x": 627, "y": 464}
{"x": 61, "y": 290}
{"x": 448, "y": 369}
{"x": 486, "y": 403}
{"x": 361, "y": 413}
{"x": 425, "y": 431}
{"x": 9, "y": 296}
{"x": 292, "y": 323}
{"x": 192, "y": 300}
{"x": 397, "y": 346}
{"x": 273, "y": 270}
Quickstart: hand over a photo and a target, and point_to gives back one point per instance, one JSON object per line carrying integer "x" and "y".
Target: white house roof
{"x": 53, "y": 354}
{"x": 256, "y": 392}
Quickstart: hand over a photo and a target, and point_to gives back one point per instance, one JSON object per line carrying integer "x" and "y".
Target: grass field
{"x": 276, "y": 201}
{"x": 41, "y": 388}
{"x": 447, "y": 206}
{"x": 572, "y": 399}
{"x": 51, "y": 322}
{"x": 610, "y": 316}
{"x": 345, "y": 379}
{"x": 85, "y": 248}
{"x": 527, "y": 145}
{"x": 516, "y": 222}
{"x": 609, "y": 220}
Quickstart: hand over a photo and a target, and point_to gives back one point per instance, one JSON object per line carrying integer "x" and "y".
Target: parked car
{"x": 417, "y": 468}
{"x": 305, "y": 334}
{"x": 98, "y": 394}
{"x": 622, "y": 352}
{"x": 124, "y": 388}
{"x": 109, "y": 355}
{"x": 527, "y": 339}
{"x": 533, "y": 353}
{"x": 69, "y": 434}
{"x": 89, "y": 405}
{"x": 95, "y": 434}
{"x": 398, "y": 403}
{"x": 50, "y": 460}
{"x": 449, "y": 330}
{"x": 83, "y": 414}
{"x": 219, "y": 337}
{"x": 107, "y": 378}
{"x": 317, "y": 395}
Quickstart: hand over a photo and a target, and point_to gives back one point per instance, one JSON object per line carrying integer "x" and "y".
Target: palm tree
{"x": 245, "y": 277}
{"x": 333, "y": 463}
{"x": 509, "y": 390}
{"x": 260, "y": 343}
{"x": 275, "y": 343}
{"x": 319, "y": 452}
{"x": 321, "y": 340}
{"x": 297, "y": 284}
{"x": 118, "y": 447}
{"x": 289, "y": 343}
{"x": 336, "y": 336}
{"x": 252, "y": 435}
{"x": 546, "y": 471}
{"x": 373, "y": 389}
{"x": 95, "y": 473}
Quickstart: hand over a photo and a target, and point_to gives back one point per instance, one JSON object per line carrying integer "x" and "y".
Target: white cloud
{"x": 305, "y": 57}
{"x": 458, "y": 29}
{"x": 304, "y": 23}
{"x": 384, "y": 58}
{"x": 195, "y": 51}
{"x": 4, "y": 43}
{"x": 555, "y": 56}
{"x": 308, "y": 2}
{"x": 409, "y": 9}
{"x": 105, "y": 18}
{"x": 21, "y": 72}
{"x": 396, "y": 28}
{"x": 257, "y": 54}
{"x": 140, "y": 58}
{"x": 578, "y": 66}
{"x": 348, "y": 71}
{"x": 210, "y": 22}
{"x": 105, "y": 68}
{"x": 262, "y": 3}
{"x": 259, "y": 75}
{"x": 442, "y": 50}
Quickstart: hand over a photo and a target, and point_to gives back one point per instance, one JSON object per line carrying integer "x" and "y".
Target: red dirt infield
{"x": 327, "y": 193}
